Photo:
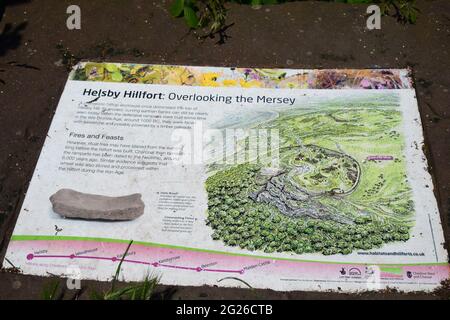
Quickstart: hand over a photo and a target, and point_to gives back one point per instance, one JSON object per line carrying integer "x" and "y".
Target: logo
{"x": 354, "y": 272}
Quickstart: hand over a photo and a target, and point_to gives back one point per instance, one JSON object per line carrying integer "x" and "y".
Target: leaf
{"x": 191, "y": 17}
{"x": 116, "y": 76}
{"x": 176, "y": 8}
{"x": 95, "y": 295}
{"x": 111, "y": 67}
{"x": 50, "y": 290}
{"x": 116, "y": 276}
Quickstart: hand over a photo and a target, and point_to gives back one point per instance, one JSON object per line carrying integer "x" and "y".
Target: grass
{"x": 140, "y": 291}
{"x": 144, "y": 290}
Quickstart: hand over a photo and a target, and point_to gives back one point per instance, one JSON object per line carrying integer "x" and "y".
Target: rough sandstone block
{"x": 73, "y": 204}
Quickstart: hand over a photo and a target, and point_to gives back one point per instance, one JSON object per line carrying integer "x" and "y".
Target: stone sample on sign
{"x": 69, "y": 203}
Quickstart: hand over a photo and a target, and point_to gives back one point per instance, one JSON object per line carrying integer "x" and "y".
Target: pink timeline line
{"x": 115, "y": 259}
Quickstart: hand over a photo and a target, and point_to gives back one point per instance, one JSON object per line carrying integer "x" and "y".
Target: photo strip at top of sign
{"x": 286, "y": 179}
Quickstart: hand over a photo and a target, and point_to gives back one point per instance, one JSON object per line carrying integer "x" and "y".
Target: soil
{"x": 36, "y": 49}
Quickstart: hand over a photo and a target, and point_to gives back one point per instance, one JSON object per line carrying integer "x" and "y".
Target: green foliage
{"x": 200, "y": 13}
{"x": 177, "y": 8}
{"x": 404, "y": 10}
{"x": 212, "y": 13}
{"x": 239, "y": 221}
{"x": 143, "y": 290}
{"x": 139, "y": 291}
{"x": 191, "y": 17}
{"x": 50, "y": 291}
